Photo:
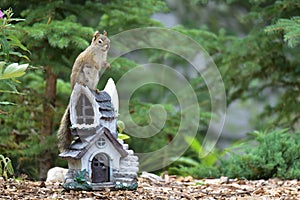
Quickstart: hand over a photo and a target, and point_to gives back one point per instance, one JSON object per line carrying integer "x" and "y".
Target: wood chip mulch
{"x": 169, "y": 187}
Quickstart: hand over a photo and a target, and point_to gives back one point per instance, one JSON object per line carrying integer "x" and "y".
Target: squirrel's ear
{"x": 104, "y": 33}
{"x": 96, "y": 34}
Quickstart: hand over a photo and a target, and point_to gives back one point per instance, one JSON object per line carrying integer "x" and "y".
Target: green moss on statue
{"x": 79, "y": 183}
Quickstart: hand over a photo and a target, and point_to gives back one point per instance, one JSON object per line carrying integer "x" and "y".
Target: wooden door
{"x": 100, "y": 169}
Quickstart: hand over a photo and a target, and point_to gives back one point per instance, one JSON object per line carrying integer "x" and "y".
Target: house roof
{"x": 106, "y": 108}
{"x": 78, "y": 148}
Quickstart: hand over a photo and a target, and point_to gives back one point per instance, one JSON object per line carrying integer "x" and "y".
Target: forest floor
{"x": 168, "y": 188}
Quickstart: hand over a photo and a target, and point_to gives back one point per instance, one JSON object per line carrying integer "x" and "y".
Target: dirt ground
{"x": 168, "y": 187}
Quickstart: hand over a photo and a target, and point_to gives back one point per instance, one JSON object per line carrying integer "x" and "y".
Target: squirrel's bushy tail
{"x": 64, "y": 135}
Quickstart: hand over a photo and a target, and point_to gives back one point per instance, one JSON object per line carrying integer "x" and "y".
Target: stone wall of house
{"x": 127, "y": 174}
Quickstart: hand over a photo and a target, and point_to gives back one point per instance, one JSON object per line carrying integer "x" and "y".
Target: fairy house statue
{"x": 96, "y": 153}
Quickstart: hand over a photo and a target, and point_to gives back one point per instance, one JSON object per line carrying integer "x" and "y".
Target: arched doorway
{"x": 100, "y": 168}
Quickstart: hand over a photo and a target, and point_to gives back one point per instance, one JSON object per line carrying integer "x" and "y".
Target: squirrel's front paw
{"x": 107, "y": 65}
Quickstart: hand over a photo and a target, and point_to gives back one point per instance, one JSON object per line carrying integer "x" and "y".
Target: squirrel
{"x": 87, "y": 65}
{"x": 85, "y": 71}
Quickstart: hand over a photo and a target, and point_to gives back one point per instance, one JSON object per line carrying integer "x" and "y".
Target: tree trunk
{"x": 47, "y": 127}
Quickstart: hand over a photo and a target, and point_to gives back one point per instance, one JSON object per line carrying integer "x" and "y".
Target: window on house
{"x": 84, "y": 111}
{"x": 101, "y": 143}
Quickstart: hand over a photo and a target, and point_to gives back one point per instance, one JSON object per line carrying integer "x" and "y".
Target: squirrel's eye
{"x": 100, "y": 41}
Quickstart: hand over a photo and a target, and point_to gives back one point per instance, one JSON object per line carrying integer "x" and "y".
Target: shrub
{"x": 269, "y": 155}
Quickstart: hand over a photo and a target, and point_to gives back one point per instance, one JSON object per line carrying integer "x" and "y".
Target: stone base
{"x": 132, "y": 185}
{"x": 102, "y": 186}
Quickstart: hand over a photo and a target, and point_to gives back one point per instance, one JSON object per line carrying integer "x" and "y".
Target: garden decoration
{"x": 96, "y": 157}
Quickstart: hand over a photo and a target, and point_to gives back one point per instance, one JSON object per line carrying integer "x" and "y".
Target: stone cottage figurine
{"x": 97, "y": 158}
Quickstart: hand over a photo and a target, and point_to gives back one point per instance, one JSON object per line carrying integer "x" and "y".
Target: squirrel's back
{"x": 85, "y": 71}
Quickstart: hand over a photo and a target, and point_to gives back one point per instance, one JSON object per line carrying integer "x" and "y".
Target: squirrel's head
{"x": 101, "y": 40}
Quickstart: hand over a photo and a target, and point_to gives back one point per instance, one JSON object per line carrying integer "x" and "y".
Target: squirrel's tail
{"x": 64, "y": 135}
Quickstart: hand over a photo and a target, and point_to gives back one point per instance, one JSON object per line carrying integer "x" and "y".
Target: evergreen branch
{"x": 290, "y": 29}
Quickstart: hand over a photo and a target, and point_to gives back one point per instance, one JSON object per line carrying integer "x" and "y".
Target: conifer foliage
{"x": 290, "y": 29}
{"x": 274, "y": 154}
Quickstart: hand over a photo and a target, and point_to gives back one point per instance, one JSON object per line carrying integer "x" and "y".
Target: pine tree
{"x": 259, "y": 57}
{"x": 264, "y": 62}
